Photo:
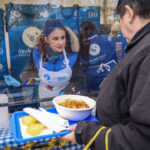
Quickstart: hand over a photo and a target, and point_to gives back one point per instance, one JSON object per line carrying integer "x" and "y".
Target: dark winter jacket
{"x": 123, "y": 104}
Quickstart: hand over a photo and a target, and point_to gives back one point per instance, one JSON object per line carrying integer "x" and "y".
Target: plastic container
{"x": 74, "y": 114}
{"x": 4, "y": 117}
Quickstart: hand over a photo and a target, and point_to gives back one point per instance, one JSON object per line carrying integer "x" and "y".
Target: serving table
{"x": 7, "y": 140}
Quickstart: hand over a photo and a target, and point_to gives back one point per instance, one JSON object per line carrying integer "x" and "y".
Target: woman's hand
{"x": 70, "y": 136}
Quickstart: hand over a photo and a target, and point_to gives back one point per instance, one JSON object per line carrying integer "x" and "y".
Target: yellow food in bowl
{"x": 35, "y": 129}
{"x": 28, "y": 120}
{"x": 74, "y": 104}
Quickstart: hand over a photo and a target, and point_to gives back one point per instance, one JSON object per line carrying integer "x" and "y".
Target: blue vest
{"x": 102, "y": 59}
{"x": 49, "y": 65}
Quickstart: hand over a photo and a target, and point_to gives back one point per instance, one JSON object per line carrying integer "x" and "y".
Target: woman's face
{"x": 57, "y": 40}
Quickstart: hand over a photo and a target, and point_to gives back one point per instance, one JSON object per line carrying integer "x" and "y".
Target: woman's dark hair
{"x": 49, "y": 27}
{"x": 87, "y": 28}
{"x": 140, "y": 7}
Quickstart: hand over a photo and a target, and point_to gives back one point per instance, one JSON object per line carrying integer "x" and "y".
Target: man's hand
{"x": 70, "y": 136}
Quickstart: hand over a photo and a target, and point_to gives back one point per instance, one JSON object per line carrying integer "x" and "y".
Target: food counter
{"x": 7, "y": 140}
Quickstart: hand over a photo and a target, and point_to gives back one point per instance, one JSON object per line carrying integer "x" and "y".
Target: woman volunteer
{"x": 98, "y": 56}
{"x": 54, "y": 58}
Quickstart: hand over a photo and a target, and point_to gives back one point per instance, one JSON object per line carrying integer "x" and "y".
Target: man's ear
{"x": 130, "y": 12}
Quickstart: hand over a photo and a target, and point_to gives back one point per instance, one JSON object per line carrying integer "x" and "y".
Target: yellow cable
{"x": 106, "y": 139}
{"x": 93, "y": 138}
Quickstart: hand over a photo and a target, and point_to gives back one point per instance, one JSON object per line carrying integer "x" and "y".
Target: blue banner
{"x": 26, "y": 21}
{"x": 3, "y": 60}
{"x": 35, "y": 15}
{"x": 25, "y": 15}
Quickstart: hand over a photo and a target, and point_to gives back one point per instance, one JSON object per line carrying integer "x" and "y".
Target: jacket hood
{"x": 73, "y": 39}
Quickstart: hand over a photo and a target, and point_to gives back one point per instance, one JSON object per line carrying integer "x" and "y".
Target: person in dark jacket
{"x": 123, "y": 104}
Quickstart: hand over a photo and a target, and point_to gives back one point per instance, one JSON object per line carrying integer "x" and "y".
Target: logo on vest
{"x": 66, "y": 61}
{"x": 61, "y": 78}
{"x": 46, "y": 76}
{"x": 94, "y": 49}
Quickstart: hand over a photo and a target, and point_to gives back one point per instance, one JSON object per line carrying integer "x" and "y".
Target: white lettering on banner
{"x": 24, "y": 52}
{"x": 92, "y": 14}
{"x": 29, "y": 51}
{"x": 59, "y": 16}
{"x": 61, "y": 78}
{"x": 24, "y": 55}
{"x": 20, "y": 51}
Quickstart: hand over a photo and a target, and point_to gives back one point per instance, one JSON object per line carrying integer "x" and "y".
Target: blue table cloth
{"x": 7, "y": 140}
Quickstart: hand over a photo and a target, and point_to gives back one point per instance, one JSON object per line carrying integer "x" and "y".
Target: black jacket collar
{"x": 139, "y": 35}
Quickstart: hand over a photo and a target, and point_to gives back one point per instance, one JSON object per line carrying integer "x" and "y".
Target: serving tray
{"x": 15, "y": 127}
